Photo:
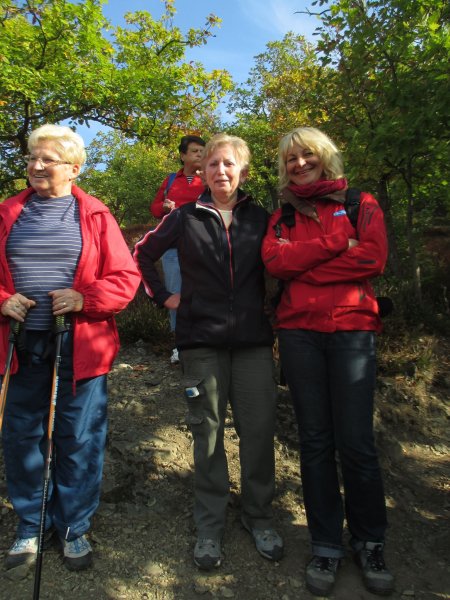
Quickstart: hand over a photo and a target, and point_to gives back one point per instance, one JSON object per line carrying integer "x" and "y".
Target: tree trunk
{"x": 414, "y": 265}
{"x": 393, "y": 264}
{"x": 275, "y": 198}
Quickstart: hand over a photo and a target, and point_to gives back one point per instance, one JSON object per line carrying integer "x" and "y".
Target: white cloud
{"x": 279, "y": 16}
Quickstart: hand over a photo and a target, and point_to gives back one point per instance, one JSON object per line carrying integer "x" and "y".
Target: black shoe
{"x": 376, "y": 575}
{"x": 207, "y": 553}
{"x": 321, "y": 575}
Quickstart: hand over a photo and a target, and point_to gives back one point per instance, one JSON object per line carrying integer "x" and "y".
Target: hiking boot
{"x": 207, "y": 553}
{"x": 22, "y": 552}
{"x": 376, "y": 576}
{"x": 77, "y": 554}
{"x": 267, "y": 541}
{"x": 174, "y": 359}
{"x": 321, "y": 575}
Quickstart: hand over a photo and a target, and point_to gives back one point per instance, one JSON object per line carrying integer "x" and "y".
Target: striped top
{"x": 43, "y": 250}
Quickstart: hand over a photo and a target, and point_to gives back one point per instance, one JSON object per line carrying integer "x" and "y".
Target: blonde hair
{"x": 240, "y": 148}
{"x": 68, "y": 144}
{"x": 320, "y": 144}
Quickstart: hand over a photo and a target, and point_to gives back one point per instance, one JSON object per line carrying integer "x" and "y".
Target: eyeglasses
{"x": 45, "y": 162}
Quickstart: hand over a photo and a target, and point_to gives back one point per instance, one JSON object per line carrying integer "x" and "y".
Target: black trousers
{"x": 331, "y": 377}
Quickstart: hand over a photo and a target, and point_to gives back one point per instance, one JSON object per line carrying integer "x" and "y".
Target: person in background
{"x": 326, "y": 321}
{"x": 61, "y": 253}
{"x": 178, "y": 189}
{"x": 225, "y": 341}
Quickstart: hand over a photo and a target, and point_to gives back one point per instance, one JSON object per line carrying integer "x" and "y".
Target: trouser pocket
{"x": 194, "y": 395}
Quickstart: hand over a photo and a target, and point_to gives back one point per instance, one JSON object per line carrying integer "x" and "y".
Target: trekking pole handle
{"x": 14, "y": 328}
{"x": 61, "y": 324}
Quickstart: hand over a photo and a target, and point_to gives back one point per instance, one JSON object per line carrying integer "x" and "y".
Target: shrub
{"x": 142, "y": 319}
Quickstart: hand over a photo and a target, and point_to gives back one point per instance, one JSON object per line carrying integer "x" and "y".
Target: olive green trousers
{"x": 244, "y": 378}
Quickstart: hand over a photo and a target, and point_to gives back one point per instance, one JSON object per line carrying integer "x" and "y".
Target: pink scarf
{"x": 319, "y": 189}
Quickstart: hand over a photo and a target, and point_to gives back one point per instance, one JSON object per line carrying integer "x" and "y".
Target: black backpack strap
{"x": 287, "y": 218}
{"x": 351, "y": 205}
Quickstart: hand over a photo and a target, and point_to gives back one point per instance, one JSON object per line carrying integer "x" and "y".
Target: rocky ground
{"x": 143, "y": 533}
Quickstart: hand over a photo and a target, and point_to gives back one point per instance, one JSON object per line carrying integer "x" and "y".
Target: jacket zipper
{"x": 216, "y": 213}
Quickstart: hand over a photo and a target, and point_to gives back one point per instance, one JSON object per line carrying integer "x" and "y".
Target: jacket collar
{"x": 308, "y": 207}
{"x": 206, "y": 201}
{"x": 11, "y": 208}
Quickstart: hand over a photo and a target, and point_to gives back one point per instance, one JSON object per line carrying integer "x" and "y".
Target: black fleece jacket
{"x": 222, "y": 291}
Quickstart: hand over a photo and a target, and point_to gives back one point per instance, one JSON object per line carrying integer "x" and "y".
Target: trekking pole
{"x": 13, "y": 333}
{"x": 60, "y": 328}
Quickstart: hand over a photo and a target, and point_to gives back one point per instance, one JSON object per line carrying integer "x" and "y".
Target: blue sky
{"x": 247, "y": 26}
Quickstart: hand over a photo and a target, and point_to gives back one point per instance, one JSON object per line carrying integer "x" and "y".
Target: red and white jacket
{"x": 106, "y": 276}
{"x": 326, "y": 284}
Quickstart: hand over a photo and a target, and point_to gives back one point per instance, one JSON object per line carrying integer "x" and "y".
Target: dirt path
{"x": 143, "y": 532}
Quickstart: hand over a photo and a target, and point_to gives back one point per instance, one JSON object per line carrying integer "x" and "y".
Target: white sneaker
{"x": 22, "y": 552}
{"x": 77, "y": 554}
{"x": 174, "y": 359}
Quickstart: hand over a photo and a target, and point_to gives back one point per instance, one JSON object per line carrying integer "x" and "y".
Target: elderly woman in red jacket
{"x": 61, "y": 253}
{"x": 326, "y": 320}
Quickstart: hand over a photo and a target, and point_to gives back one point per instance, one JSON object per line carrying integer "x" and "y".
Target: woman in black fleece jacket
{"x": 225, "y": 343}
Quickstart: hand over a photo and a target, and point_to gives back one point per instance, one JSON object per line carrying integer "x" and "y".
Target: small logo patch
{"x": 339, "y": 213}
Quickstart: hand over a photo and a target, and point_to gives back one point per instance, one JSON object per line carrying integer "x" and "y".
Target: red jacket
{"x": 106, "y": 276}
{"x": 181, "y": 192}
{"x": 326, "y": 285}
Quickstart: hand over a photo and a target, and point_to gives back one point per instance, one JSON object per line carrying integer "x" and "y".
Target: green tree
{"x": 275, "y": 98}
{"x": 126, "y": 175}
{"x": 387, "y": 93}
{"x": 61, "y": 60}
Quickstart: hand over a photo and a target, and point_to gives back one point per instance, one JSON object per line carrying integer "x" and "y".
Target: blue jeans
{"x": 172, "y": 279}
{"x": 79, "y": 441}
{"x": 331, "y": 377}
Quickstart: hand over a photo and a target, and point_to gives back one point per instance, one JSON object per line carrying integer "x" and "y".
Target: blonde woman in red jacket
{"x": 61, "y": 253}
{"x": 327, "y": 319}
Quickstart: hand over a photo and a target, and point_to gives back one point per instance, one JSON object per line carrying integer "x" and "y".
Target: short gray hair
{"x": 240, "y": 148}
{"x": 68, "y": 144}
